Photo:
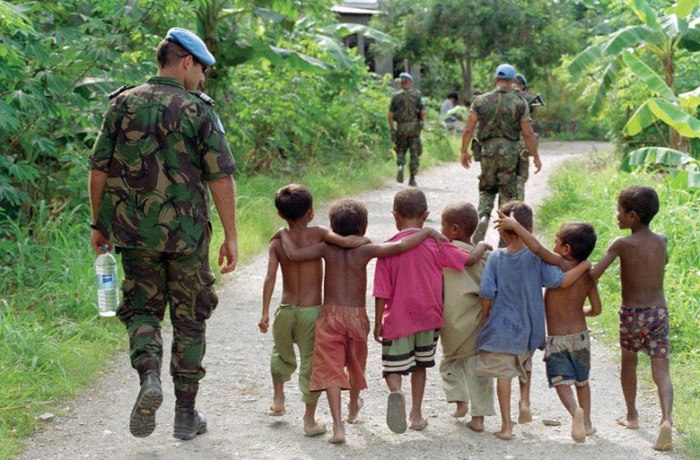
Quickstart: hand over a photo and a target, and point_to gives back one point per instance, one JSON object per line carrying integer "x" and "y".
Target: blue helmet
{"x": 192, "y": 43}
{"x": 505, "y": 72}
{"x": 521, "y": 77}
{"x": 406, "y": 75}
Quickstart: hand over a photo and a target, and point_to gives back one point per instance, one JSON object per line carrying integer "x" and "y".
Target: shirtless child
{"x": 567, "y": 351}
{"x": 295, "y": 318}
{"x": 643, "y": 315}
{"x": 340, "y": 351}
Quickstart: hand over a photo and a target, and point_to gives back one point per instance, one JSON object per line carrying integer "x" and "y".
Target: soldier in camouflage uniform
{"x": 524, "y": 155}
{"x": 501, "y": 116}
{"x": 160, "y": 149}
{"x": 407, "y": 109}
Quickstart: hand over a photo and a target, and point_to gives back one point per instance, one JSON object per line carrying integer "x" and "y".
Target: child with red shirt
{"x": 408, "y": 307}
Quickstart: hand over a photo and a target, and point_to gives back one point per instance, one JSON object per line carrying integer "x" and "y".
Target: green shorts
{"x": 405, "y": 355}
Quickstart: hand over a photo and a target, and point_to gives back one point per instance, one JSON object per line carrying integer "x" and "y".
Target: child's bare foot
{"x": 314, "y": 429}
{"x": 665, "y": 440}
{"x": 461, "y": 410}
{"x": 476, "y": 424}
{"x": 590, "y": 430}
{"x": 354, "y": 410}
{"x": 419, "y": 424}
{"x": 525, "y": 415}
{"x": 276, "y": 409}
{"x": 578, "y": 428}
{"x": 505, "y": 434}
{"x": 338, "y": 435}
{"x": 631, "y": 423}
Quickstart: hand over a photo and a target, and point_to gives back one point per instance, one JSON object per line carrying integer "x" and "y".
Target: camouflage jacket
{"x": 406, "y": 105}
{"x": 500, "y": 113}
{"x": 159, "y": 144}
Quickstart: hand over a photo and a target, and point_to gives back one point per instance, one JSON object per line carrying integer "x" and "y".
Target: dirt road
{"x": 237, "y": 390}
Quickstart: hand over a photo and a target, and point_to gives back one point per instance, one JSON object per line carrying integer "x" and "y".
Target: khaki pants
{"x": 460, "y": 382}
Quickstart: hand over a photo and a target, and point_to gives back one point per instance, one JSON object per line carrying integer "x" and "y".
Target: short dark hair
{"x": 520, "y": 211}
{"x": 348, "y": 217}
{"x": 453, "y": 96}
{"x": 169, "y": 53}
{"x": 641, "y": 199}
{"x": 462, "y": 214}
{"x": 410, "y": 203}
{"x": 293, "y": 201}
{"x": 581, "y": 238}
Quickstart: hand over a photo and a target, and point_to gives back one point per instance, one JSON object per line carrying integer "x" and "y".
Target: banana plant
{"x": 660, "y": 35}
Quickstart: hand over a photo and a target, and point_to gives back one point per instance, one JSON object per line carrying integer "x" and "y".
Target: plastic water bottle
{"x": 107, "y": 290}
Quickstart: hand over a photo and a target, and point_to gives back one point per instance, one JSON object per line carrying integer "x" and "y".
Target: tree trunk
{"x": 465, "y": 64}
{"x": 675, "y": 140}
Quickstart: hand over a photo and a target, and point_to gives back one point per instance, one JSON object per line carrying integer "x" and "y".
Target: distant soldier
{"x": 501, "y": 116}
{"x": 524, "y": 157}
{"x": 407, "y": 109}
{"x": 160, "y": 149}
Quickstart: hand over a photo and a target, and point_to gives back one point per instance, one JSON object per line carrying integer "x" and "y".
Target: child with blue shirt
{"x": 513, "y": 311}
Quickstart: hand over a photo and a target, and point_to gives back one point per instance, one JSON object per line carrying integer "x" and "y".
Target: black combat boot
{"x": 188, "y": 422}
{"x": 399, "y": 175}
{"x": 481, "y": 228}
{"x": 412, "y": 181}
{"x": 143, "y": 415}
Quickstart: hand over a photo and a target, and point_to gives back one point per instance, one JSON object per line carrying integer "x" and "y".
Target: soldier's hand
{"x": 264, "y": 323}
{"x": 538, "y": 164}
{"x": 98, "y": 241}
{"x": 466, "y": 159}
{"x": 229, "y": 252}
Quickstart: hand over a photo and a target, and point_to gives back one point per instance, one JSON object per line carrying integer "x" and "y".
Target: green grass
{"x": 52, "y": 342}
{"x": 586, "y": 190}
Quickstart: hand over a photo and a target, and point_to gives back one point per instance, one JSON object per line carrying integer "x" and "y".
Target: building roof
{"x": 342, "y": 9}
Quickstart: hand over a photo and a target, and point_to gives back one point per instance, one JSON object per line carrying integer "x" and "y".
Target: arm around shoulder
{"x": 297, "y": 254}
{"x": 612, "y": 252}
{"x": 478, "y": 252}
{"x": 504, "y": 222}
{"x": 575, "y": 273}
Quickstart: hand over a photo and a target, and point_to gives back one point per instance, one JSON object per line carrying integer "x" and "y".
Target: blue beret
{"x": 505, "y": 72}
{"x": 406, "y": 75}
{"x": 521, "y": 77}
{"x": 192, "y": 43}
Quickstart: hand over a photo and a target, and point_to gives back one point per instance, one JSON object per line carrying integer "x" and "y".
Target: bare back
{"x": 346, "y": 275}
{"x": 564, "y": 307}
{"x": 643, "y": 260}
{"x": 301, "y": 281}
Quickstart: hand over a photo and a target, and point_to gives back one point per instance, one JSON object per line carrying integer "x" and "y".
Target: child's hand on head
{"x": 505, "y": 222}
{"x": 437, "y": 236}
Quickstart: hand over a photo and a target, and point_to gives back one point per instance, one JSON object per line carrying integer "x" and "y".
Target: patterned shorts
{"x": 645, "y": 329}
{"x": 568, "y": 359}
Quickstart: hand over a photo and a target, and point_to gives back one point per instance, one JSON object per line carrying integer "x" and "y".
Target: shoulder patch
{"x": 118, "y": 91}
{"x": 204, "y": 97}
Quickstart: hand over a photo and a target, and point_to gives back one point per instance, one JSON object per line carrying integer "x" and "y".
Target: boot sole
{"x": 143, "y": 416}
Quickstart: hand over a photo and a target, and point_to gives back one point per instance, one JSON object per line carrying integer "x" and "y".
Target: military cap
{"x": 505, "y": 72}
{"x": 192, "y": 43}
{"x": 521, "y": 77}
{"x": 406, "y": 75}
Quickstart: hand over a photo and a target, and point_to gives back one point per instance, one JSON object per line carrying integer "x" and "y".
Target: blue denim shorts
{"x": 568, "y": 359}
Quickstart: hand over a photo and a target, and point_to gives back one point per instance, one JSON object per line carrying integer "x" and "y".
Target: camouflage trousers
{"x": 415, "y": 145}
{"x": 499, "y": 169}
{"x": 184, "y": 281}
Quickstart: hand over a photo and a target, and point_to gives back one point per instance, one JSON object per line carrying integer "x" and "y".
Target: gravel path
{"x": 238, "y": 390}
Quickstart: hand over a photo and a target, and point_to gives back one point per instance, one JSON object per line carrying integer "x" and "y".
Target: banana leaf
{"x": 690, "y": 100}
{"x": 644, "y": 12}
{"x": 648, "y": 76}
{"x": 659, "y": 109}
{"x": 683, "y": 8}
